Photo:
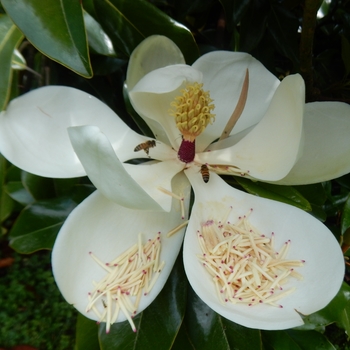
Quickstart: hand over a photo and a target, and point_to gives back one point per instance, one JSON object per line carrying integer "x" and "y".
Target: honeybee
{"x": 205, "y": 173}
{"x": 145, "y": 146}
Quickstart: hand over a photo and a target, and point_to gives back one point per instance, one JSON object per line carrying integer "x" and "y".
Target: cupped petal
{"x": 152, "y": 95}
{"x": 33, "y": 129}
{"x": 311, "y": 241}
{"x": 153, "y": 177}
{"x": 223, "y": 75}
{"x": 271, "y": 149}
{"x": 107, "y": 230}
{"x": 154, "y": 52}
{"x": 106, "y": 171}
{"x": 326, "y": 150}
{"x": 134, "y": 186}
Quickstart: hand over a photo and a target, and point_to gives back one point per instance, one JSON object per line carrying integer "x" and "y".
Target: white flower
{"x": 276, "y": 139}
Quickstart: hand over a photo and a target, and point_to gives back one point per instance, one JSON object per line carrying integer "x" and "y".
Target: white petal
{"x": 33, "y": 129}
{"x": 223, "y": 75}
{"x": 326, "y": 150}
{"x": 107, "y": 230}
{"x": 152, "y": 95}
{"x": 271, "y": 149}
{"x": 310, "y": 240}
{"x": 105, "y": 170}
{"x": 153, "y": 176}
{"x": 154, "y": 52}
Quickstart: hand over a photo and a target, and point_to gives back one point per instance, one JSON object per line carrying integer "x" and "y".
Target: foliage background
{"x": 87, "y": 45}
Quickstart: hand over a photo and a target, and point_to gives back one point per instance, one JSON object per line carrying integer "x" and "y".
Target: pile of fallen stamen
{"x": 129, "y": 276}
{"x": 243, "y": 263}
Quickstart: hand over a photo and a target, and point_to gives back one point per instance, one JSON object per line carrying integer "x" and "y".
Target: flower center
{"x": 192, "y": 113}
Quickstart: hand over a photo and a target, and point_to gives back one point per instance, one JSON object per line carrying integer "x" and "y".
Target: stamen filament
{"x": 243, "y": 264}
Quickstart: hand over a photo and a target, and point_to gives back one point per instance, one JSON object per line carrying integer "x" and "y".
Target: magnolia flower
{"x": 63, "y": 132}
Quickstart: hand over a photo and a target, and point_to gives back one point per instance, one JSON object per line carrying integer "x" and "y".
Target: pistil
{"x": 192, "y": 113}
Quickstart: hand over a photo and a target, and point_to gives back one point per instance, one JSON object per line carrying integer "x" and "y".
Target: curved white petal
{"x": 33, "y": 129}
{"x": 223, "y": 75}
{"x": 326, "y": 151}
{"x": 106, "y": 171}
{"x": 271, "y": 149}
{"x": 107, "y": 230}
{"x": 310, "y": 240}
{"x": 153, "y": 177}
{"x": 152, "y": 95}
{"x": 154, "y": 52}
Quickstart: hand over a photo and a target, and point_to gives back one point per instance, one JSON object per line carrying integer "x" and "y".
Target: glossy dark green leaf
{"x": 6, "y": 202}
{"x": 234, "y": 10}
{"x": 158, "y": 325}
{"x": 86, "y": 334}
{"x": 182, "y": 340}
{"x": 316, "y": 196}
{"x": 344, "y": 321}
{"x": 10, "y": 38}
{"x": 38, "y": 224}
{"x": 345, "y": 218}
{"x": 285, "y": 194}
{"x": 99, "y": 41}
{"x": 55, "y": 28}
{"x": 39, "y": 187}
{"x": 242, "y": 338}
{"x": 19, "y": 193}
{"x": 296, "y": 340}
{"x": 127, "y": 23}
{"x": 283, "y": 27}
{"x": 204, "y": 326}
{"x": 333, "y": 312}
{"x": 344, "y": 181}
{"x": 251, "y": 35}
{"x": 18, "y": 61}
{"x": 36, "y": 240}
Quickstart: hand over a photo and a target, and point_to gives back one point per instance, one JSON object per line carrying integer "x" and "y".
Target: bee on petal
{"x": 145, "y": 146}
{"x": 205, "y": 173}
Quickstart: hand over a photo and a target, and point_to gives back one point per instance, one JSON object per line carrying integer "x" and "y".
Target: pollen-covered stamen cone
{"x": 192, "y": 112}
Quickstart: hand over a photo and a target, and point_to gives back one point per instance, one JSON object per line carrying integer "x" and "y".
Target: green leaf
{"x": 18, "y": 192}
{"x": 344, "y": 321}
{"x": 6, "y": 203}
{"x": 86, "y": 334}
{"x": 345, "y": 218}
{"x": 39, "y": 187}
{"x": 36, "y": 240}
{"x": 284, "y": 194}
{"x": 251, "y": 35}
{"x": 284, "y": 29}
{"x": 316, "y": 196}
{"x": 333, "y": 312}
{"x": 127, "y": 23}
{"x": 10, "y": 38}
{"x": 98, "y": 40}
{"x": 296, "y": 340}
{"x": 182, "y": 340}
{"x": 18, "y": 61}
{"x": 345, "y": 53}
{"x": 208, "y": 330}
{"x": 158, "y": 325}
{"x": 56, "y": 29}
{"x": 242, "y": 338}
{"x": 204, "y": 326}
{"x": 38, "y": 224}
